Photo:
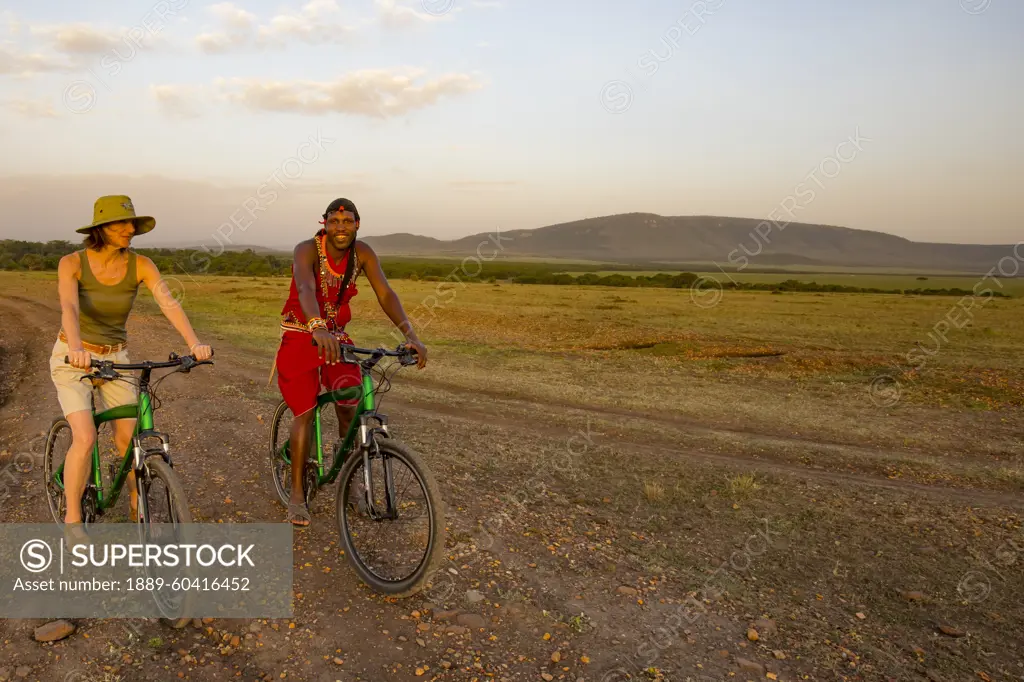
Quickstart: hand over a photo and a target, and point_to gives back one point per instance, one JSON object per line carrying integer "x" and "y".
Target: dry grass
{"x": 660, "y": 353}
{"x": 1014, "y": 475}
{"x": 743, "y": 485}
{"x": 653, "y": 491}
{"x": 834, "y": 539}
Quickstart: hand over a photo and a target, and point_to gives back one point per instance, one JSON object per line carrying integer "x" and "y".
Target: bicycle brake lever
{"x": 103, "y": 371}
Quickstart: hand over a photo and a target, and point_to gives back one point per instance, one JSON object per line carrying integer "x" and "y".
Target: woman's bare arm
{"x": 67, "y": 288}
{"x": 170, "y": 306}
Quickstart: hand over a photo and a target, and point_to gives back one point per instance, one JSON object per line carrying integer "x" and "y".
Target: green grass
{"x": 539, "y": 317}
{"x": 798, "y": 361}
{"x": 867, "y": 280}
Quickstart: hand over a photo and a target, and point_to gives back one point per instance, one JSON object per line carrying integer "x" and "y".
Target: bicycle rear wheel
{"x": 165, "y": 521}
{"x": 58, "y": 442}
{"x": 280, "y": 450}
{"x": 402, "y": 523}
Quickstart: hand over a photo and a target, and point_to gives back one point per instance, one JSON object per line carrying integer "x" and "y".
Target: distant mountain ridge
{"x": 731, "y": 242}
{"x": 214, "y": 246}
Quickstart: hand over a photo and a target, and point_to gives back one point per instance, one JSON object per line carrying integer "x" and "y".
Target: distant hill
{"x": 731, "y": 242}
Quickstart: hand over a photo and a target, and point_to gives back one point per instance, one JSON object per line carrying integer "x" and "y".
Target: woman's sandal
{"x": 357, "y": 499}
{"x": 298, "y": 511}
{"x": 75, "y": 535}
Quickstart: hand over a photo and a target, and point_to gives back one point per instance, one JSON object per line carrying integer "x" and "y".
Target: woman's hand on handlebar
{"x": 201, "y": 351}
{"x": 80, "y": 359}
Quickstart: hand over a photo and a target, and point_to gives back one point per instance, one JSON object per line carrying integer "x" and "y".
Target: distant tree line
{"x": 24, "y": 255}
{"x": 686, "y": 280}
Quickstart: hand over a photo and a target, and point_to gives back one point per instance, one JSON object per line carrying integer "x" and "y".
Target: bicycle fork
{"x": 139, "y": 455}
{"x": 369, "y": 448}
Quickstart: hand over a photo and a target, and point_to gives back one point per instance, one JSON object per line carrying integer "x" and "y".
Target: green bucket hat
{"x": 114, "y": 209}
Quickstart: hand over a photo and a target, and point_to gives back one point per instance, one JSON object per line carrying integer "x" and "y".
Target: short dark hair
{"x": 94, "y": 239}
{"x": 342, "y": 205}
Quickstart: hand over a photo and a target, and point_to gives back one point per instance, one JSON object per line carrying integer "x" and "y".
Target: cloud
{"x": 177, "y": 101}
{"x": 13, "y": 25}
{"x": 318, "y": 22}
{"x": 220, "y": 42}
{"x": 63, "y": 47}
{"x": 487, "y": 4}
{"x": 398, "y": 16}
{"x": 233, "y": 17}
{"x": 79, "y": 39}
{"x": 240, "y": 26}
{"x": 377, "y": 93}
{"x": 31, "y": 108}
{"x": 16, "y": 63}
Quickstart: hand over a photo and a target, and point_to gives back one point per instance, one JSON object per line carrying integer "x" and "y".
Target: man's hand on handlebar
{"x": 80, "y": 359}
{"x": 420, "y": 350}
{"x": 329, "y": 347}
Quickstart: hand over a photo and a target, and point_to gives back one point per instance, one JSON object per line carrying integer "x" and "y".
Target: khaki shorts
{"x": 75, "y": 395}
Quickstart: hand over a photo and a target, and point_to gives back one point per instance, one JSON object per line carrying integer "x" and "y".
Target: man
{"x": 324, "y": 271}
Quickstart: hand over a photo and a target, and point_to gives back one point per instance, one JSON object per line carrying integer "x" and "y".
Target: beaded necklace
{"x": 328, "y": 275}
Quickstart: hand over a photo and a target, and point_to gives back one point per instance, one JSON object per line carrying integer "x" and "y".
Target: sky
{"x": 453, "y": 117}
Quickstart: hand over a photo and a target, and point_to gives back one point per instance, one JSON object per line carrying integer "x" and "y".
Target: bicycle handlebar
{"x": 177, "y": 361}
{"x": 406, "y": 354}
{"x": 379, "y": 351}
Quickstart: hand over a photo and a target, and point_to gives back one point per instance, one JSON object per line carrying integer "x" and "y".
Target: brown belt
{"x": 93, "y": 348}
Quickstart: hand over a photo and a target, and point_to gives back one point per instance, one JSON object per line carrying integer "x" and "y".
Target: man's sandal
{"x": 298, "y": 511}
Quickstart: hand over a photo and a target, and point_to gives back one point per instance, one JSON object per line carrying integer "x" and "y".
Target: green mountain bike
{"x": 383, "y": 485}
{"x": 161, "y": 496}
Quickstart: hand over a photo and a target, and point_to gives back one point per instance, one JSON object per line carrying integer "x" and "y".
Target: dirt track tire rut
{"x": 231, "y": 370}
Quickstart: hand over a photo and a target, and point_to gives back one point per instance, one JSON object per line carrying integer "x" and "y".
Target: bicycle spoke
{"x": 392, "y": 549}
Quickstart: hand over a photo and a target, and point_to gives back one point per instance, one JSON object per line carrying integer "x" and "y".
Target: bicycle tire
{"x": 161, "y": 470}
{"x": 275, "y": 427}
{"x": 284, "y": 491}
{"x": 48, "y": 468}
{"x": 415, "y": 582}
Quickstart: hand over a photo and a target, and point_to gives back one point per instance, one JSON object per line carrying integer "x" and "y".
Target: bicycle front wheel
{"x": 390, "y": 517}
{"x": 163, "y": 519}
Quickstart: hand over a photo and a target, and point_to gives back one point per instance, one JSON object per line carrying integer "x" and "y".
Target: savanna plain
{"x": 640, "y": 484}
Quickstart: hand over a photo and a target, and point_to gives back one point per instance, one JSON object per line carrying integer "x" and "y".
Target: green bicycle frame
{"x": 142, "y": 412}
{"x": 365, "y": 405}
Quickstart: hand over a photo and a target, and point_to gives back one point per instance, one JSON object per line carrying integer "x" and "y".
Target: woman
{"x": 97, "y": 287}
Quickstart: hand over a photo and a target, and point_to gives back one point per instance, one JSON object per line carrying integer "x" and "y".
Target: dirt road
{"x": 587, "y": 580}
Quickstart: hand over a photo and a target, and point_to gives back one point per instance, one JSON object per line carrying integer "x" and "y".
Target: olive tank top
{"x": 103, "y": 308}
